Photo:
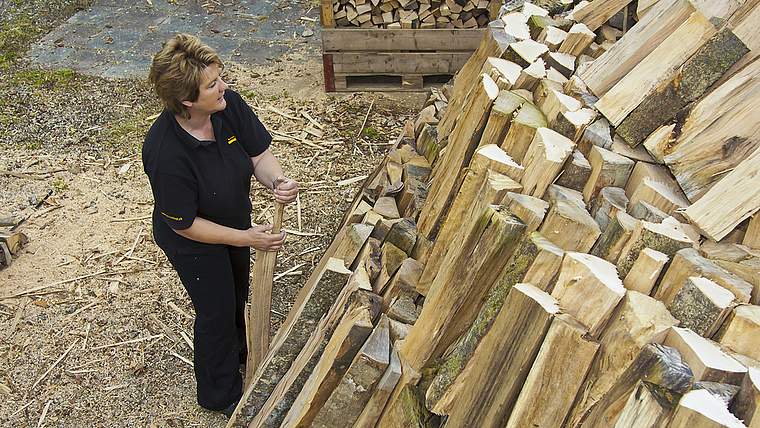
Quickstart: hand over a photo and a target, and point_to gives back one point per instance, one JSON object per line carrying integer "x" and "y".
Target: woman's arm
{"x": 258, "y": 237}
{"x": 267, "y": 170}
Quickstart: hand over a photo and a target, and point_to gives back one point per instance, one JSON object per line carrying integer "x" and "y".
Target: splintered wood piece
{"x": 465, "y": 278}
{"x": 741, "y": 330}
{"x": 612, "y": 241}
{"x": 649, "y": 33}
{"x": 353, "y": 241}
{"x": 552, "y": 37}
{"x": 462, "y": 143}
{"x": 608, "y": 169}
{"x": 570, "y": 227}
{"x": 609, "y": 201}
{"x": 657, "y": 67}
{"x": 353, "y": 392}
{"x": 660, "y": 195}
{"x": 479, "y": 388}
{"x": 648, "y": 406}
{"x": 588, "y": 289}
{"x": 403, "y": 282}
{"x": 701, "y": 305}
{"x": 530, "y": 76}
{"x": 544, "y": 159}
{"x": 716, "y": 215}
{"x": 688, "y": 262}
{"x": 666, "y": 237}
{"x": 525, "y": 53}
{"x": 522, "y": 130}
{"x": 746, "y": 405}
{"x": 556, "y": 375}
{"x": 707, "y": 361}
{"x": 557, "y": 102}
{"x": 637, "y": 321}
{"x": 645, "y": 271}
{"x": 702, "y": 409}
{"x": 576, "y": 172}
{"x": 479, "y": 188}
{"x": 504, "y": 73}
{"x": 502, "y": 113}
{"x": 531, "y": 210}
{"x": 579, "y": 37}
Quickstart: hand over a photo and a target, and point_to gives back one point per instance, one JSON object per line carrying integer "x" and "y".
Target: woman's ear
{"x": 187, "y": 103}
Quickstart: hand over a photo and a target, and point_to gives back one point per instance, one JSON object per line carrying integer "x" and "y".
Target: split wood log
{"x": 561, "y": 62}
{"x": 570, "y": 227}
{"x": 403, "y": 309}
{"x": 588, "y": 288}
{"x": 597, "y": 134}
{"x": 752, "y": 235}
{"x": 495, "y": 41}
{"x": 747, "y": 403}
{"x": 427, "y": 143}
{"x": 666, "y": 237}
{"x": 608, "y": 169}
{"x": 555, "y": 376}
{"x": 392, "y": 414}
{"x": 504, "y": 73}
{"x": 642, "y": 170}
{"x": 463, "y": 141}
{"x": 391, "y": 258}
{"x": 612, "y": 241}
{"x": 522, "y": 130}
{"x": 691, "y": 80}
{"x": 403, "y": 235}
{"x": 637, "y": 153}
{"x": 697, "y": 158}
{"x": 662, "y": 196}
{"x": 525, "y": 53}
{"x": 556, "y": 193}
{"x": 741, "y": 330}
{"x": 707, "y": 361}
{"x": 594, "y": 14}
{"x": 353, "y": 241}
{"x": 724, "y": 214}
{"x": 701, "y": 305}
{"x": 537, "y": 23}
{"x": 421, "y": 250}
{"x": 354, "y": 390}
{"x": 546, "y": 154}
{"x": 579, "y": 37}
{"x": 350, "y": 335}
{"x": 554, "y": 75}
{"x": 552, "y": 37}
{"x": 531, "y": 210}
{"x": 608, "y": 202}
{"x": 502, "y": 113}
{"x": 408, "y": 411}
{"x": 515, "y": 24}
{"x": 665, "y": 17}
{"x": 572, "y": 124}
{"x": 703, "y": 409}
{"x": 658, "y": 364}
{"x": 482, "y": 391}
{"x": 658, "y": 142}
{"x": 314, "y": 301}
{"x": 726, "y": 251}
{"x": 576, "y": 172}
{"x": 723, "y": 391}
{"x": 643, "y": 210}
{"x": 403, "y": 282}
{"x": 530, "y": 76}
{"x": 648, "y": 406}
{"x": 637, "y": 321}
{"x": 479, "y": 188}
{"x": 386, "y": 207}
{"x": 382, "y": 227}
{"x": 404, "y": 198}
{"x": 359, "y": 213}
{"x": 369, "y": 259}
{"x": 557, "y": 102}
{"x": 688, "y": 262}
{"x": 645, "y": 271}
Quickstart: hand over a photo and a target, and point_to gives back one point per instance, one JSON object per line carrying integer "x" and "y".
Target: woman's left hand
{"x": 285, "y": 189}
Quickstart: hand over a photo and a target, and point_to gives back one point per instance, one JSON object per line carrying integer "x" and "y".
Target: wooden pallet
{"x": 394, "y": 60}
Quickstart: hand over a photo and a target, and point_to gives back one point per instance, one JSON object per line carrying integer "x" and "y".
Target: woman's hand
{"x": 285, "y": 189}
{"x": 258, "y": 237}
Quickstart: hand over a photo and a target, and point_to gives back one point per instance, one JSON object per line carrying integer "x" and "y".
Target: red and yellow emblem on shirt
{"x": 231, "y": 139}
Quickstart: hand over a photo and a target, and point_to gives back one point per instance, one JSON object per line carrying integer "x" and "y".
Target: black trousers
{"x": 217, "y": 281}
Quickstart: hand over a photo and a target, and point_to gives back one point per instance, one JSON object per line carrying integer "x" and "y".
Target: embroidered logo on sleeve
{"x": 231, "y": 139}
{"x": 168, "y": 216}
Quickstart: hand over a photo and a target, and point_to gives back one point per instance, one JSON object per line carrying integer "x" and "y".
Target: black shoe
{"x": 230, "y": 410}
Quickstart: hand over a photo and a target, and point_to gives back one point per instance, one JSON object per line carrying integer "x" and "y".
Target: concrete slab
{"x": 151, "y": 43}
{"x": 137, "y": 18}
{"x": 254, "y": 52}
{"x": 89, "y": 61}
{"x": 70, "y": 35}
{"x": 130, "y": 65}
{"x": 230, "y": 26}
{"x": 185, "y": 22}
{"x": 97, "y": 15}
{"x": 116, "y": 39}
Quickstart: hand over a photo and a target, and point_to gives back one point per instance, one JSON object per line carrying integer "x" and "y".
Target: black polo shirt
{"x": 211, "y": 180}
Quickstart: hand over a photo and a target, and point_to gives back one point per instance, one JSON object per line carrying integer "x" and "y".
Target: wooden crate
{"x": 394, "y": 60}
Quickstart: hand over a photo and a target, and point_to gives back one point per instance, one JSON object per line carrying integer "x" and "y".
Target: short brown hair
{"x": 178, "y": 70}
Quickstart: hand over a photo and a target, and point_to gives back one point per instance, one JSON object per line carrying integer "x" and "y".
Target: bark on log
{"x": 707, "y": 361}
{"x": 612, "y": 241}
{"x": 701, "y": 305}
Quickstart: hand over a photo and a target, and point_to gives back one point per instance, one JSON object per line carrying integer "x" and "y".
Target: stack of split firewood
{"x": 567, "y": 236}
{"x": 408, "y": 14}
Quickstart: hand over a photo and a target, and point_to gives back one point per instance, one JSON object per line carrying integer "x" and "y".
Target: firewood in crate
{"x": 531, "y": 210}
{"x": 688, "y": 262}
{"x": 522, "y": 131}
{"x": 645, "y": 271}
{"x": 706, "y": 360}
{"x": 570, "y": 227}
{"x": 741, "y": 329}
{"x": 502, "y": 113}
{"x": 589, "y": 289}
{"x": 579, "y": 37}
{"x": 525, "y": 53}
{"x": 612, "y": 241}
{"x": 537, "y": 405}
{"x": 575, "y": 173}
{"x": 667, "y": 237}
{"x": 608, "y": 169}
{"x": 479, "y": 388}
{"x": 465, "y": 278}
{"x": 546, "y": 154}
{"x": 703, "y": 409}
{"x": 607, "y": 204}
{"x": 552, "y": 37}
{"x": 515, "y": 25}
{"x": 354, "y": 390}
{"x": 637, "y": 321}
{"x": 531, "y": 75}
{"x": 746, "y": 405}
{"x": 701, "y": 305}
{"x": 480, "y": 187}
{"x": 648, "y": 406}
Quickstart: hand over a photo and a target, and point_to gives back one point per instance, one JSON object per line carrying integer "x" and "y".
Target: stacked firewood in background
{"x": 567, "y": 236}
{"x": 409, "y": 14}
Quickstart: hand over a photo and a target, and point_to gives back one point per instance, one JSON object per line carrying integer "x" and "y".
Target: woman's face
{"x": 210, "y": 94}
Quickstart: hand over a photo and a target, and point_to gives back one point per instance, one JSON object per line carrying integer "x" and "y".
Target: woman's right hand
{"x": 260, "y": 238}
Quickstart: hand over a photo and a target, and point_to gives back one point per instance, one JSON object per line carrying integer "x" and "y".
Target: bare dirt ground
{"x": 95, "y": 327}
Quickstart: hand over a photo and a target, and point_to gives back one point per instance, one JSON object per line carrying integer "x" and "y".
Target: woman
{"x": 200, "y": 155}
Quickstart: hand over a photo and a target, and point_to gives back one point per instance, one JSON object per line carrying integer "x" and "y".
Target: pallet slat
{"x": 358, "y": 40}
